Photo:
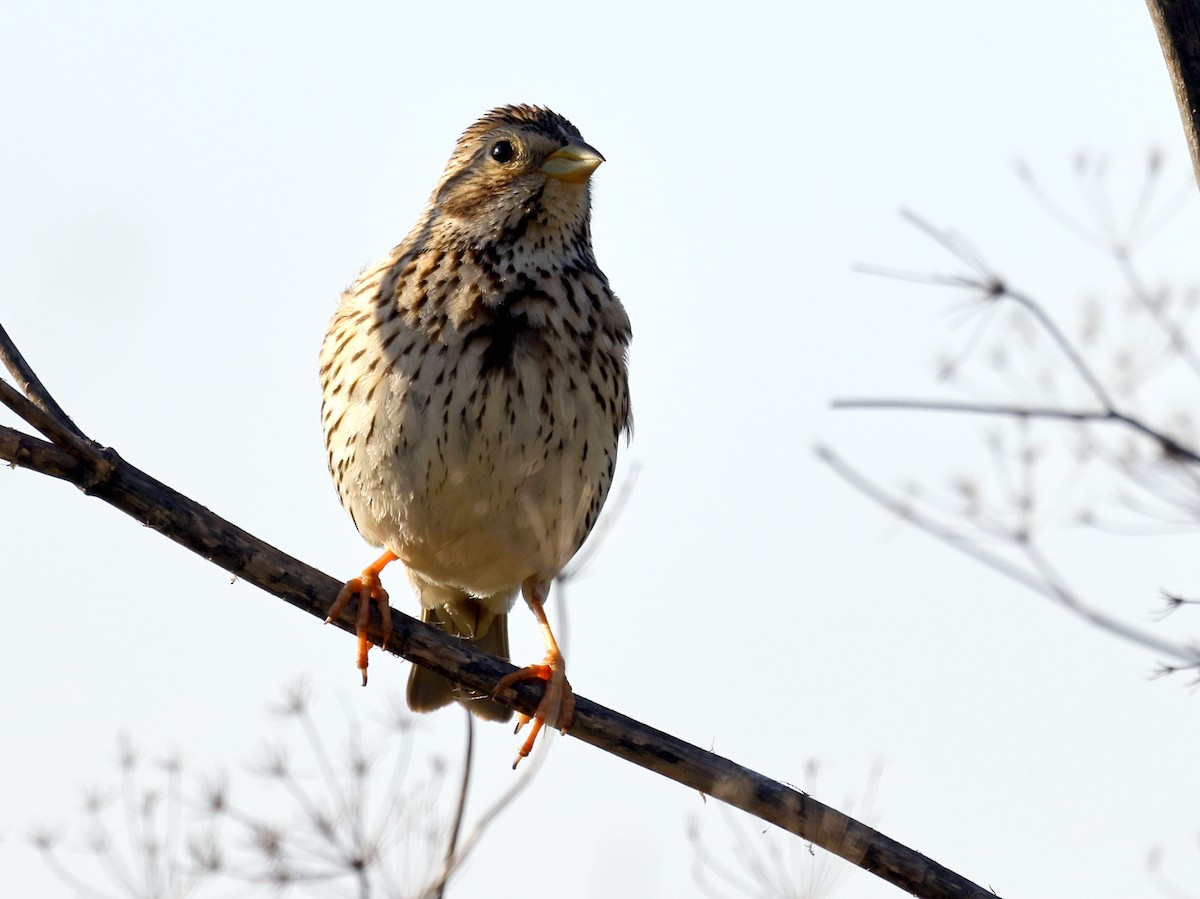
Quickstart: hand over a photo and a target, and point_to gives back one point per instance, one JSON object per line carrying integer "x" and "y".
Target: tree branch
{"x": 1169, "y": 445}
{"x": 1041, "y": 580}
{"x": 991, "y": 286}
{"x": 29, "y": 384}
{"x": 22, "y": 451}
{"x": 100, "y": 472}
{"x": 1177, "y": 23}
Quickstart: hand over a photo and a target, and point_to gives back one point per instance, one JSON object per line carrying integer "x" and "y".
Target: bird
{"x": 475, "y": 390}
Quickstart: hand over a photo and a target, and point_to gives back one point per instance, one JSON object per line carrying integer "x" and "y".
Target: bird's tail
{"x": 428, "y": 690}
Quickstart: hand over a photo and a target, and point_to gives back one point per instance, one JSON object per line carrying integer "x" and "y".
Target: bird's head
{"x": 520, "y": 171}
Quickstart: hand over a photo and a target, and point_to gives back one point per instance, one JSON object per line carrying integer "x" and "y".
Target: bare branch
{"x": 43, "y": 421}
{"x": 988, "y": 282}
{"x": 1040, "y": 580}
{"x": 1065, "y": 346}
{"x": 22, "y": 451}
{"x": 1172, "y": 602}
{"x": 1119, "y": 243}
{"x": 104, "y": 474}
{"x": 1155, "y": 308}
{"x": 1177, "y": 23}
{"x": 450, "y": 862}
{"x": 33, "y": 388}
{"x": 1169, "y": 445}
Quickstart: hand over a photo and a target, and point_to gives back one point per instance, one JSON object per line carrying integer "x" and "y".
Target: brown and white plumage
{"x": 474, "y": 386}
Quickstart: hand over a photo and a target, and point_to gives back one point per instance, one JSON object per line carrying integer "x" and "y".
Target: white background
{"x": 185, "y": 189}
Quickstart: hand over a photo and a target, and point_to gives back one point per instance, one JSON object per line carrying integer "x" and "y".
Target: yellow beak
{"x": 573, "y": 163}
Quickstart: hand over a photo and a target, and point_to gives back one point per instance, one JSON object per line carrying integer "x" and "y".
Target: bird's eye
{"x": 502, "y": 151}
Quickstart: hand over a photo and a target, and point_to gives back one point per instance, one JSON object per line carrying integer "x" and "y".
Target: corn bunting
{"x": 474, "y": 389}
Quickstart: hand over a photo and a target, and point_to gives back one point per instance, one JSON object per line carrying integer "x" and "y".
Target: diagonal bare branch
{"x": 984, "y": 279}
{"x": 1169, "y": 445}
{"x": 1042, "y": 579}
{"x": 1177, "y": 23}
{"x": 23, "y": 451}
{"x": 43, "y": 422}
{"x": 101, "y": 472}
{"x": 32, "y": 387}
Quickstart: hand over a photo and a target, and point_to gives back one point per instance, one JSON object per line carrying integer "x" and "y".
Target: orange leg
{"x": 366, "y": 588}
{"x": 557, "y": 705}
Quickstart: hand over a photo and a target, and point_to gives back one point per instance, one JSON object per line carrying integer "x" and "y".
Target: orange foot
{"x": 367, "y": 588}
{"x": 557, "y": 705}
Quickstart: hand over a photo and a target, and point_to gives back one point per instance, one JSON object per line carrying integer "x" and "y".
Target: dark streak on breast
{"x": 501, "y": 328}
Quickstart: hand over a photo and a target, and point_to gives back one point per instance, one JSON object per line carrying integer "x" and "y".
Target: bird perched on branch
{"x": 474, "y": 390}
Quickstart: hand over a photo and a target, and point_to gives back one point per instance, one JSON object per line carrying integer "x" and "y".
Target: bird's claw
{"x": 366, "y": 588}
{"x": 556, "y": 707}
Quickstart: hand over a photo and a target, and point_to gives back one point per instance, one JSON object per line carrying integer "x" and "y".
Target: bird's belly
{"x": 491, "y": 488}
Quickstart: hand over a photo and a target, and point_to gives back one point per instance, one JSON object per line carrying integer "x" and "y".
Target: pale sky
{"x": 189, "y": 187}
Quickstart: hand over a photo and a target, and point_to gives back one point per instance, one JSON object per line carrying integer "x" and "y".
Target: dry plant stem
{"x": 1177, "y": 23}
{"x": 995, "y": 288}
{"x": 466, "y": 843}
{"x": 1169, "y": 445}
{"x": 1172, "y": 331}
{"x": 1041, "y": 580}
{"x": 59, "y": 870}
{"x": 449, "y": 865}
{"x": 102, "y": 473}
{"x": 1035, "y": 309}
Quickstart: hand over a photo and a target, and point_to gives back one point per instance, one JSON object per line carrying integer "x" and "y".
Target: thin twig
{"x": 460, "y": 807}
{"x": 31, "y": 386}
{"x": 986, "y": 280}
{"x": 1155, "y": 309}
{"x": 1169, "y": 445}
{"x": 467, "y": 844}
{"x": 1064, "y": 345}
{"x": 59, "y": 870}
{"x": 1041, "y": 580}
{"x": 42, "y": 421}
